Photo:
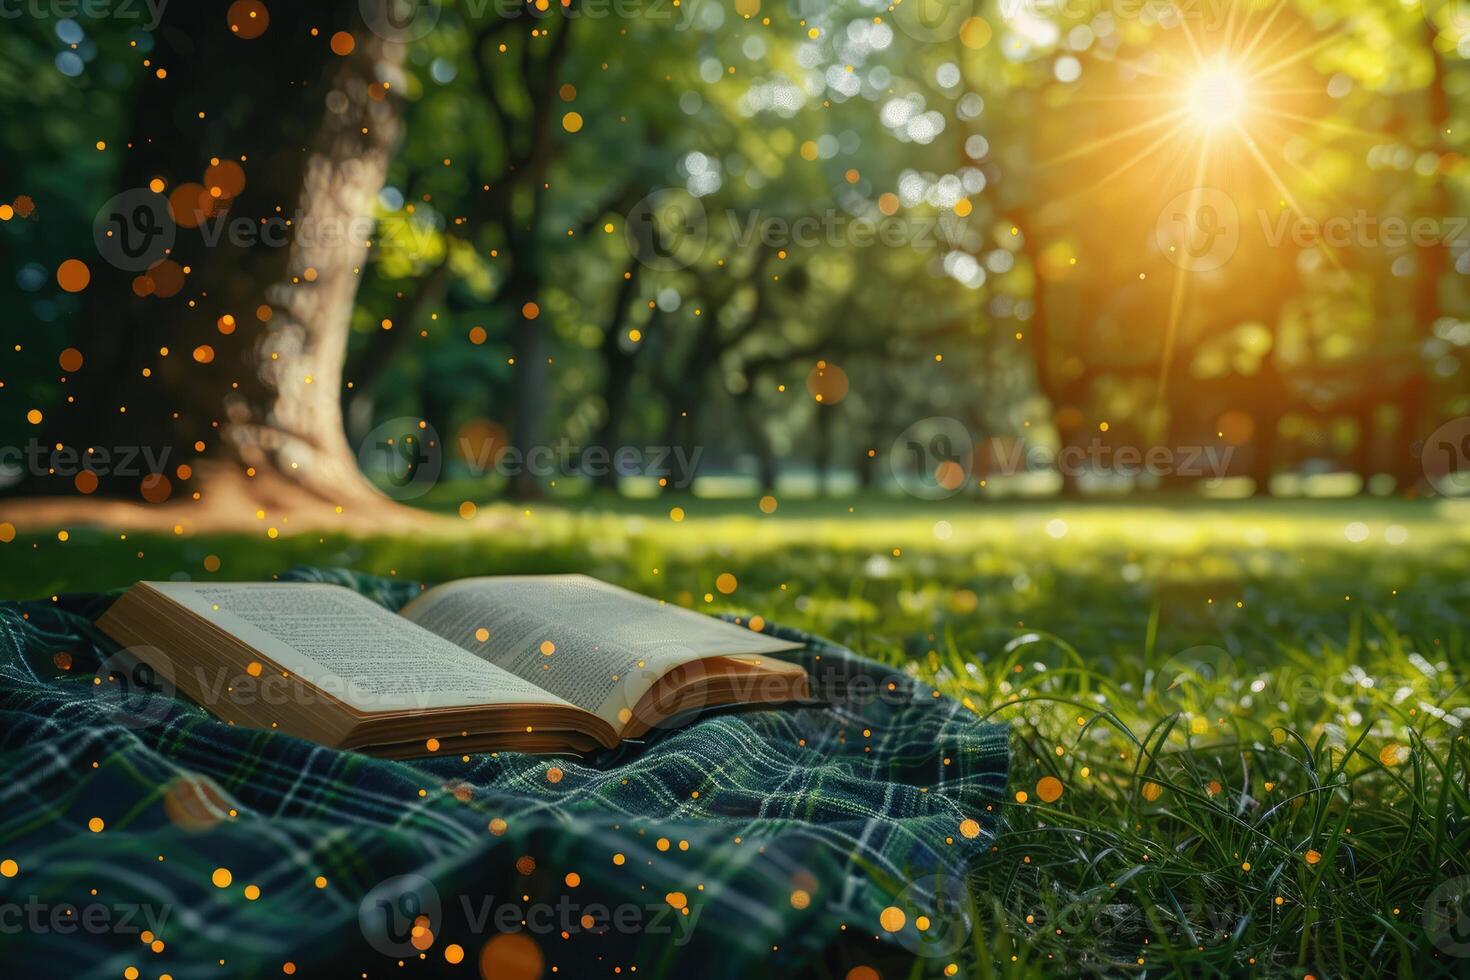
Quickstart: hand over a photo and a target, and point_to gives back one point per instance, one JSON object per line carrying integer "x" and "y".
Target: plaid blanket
{"x": 810, "y": 839}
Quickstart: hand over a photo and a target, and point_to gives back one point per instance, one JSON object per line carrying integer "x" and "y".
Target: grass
{"x": 1254, "y": 715}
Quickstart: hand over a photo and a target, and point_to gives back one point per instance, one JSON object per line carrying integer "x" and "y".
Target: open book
{"x": 547, "y": 663}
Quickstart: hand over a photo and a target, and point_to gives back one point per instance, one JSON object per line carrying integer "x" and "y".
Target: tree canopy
{"x": 782, "y": 234}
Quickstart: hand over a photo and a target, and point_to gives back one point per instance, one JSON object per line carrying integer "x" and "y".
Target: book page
{"x": 593, "y": 644}
{"x": 352, "y": 648}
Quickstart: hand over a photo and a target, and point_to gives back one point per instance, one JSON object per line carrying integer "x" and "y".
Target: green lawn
{"x": 1254, "y": 714}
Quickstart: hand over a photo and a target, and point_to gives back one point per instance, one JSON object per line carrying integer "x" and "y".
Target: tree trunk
{"x": 517, "y": 202}
{"x": 367, "y": 371}
{"x": 530, "y": 389}
{"x": 1434, "y": 261}
{"x": 865, "y": 468}
{"x": 767, "y": 468}
{"x": 1263, "y": 454}
{"x": 1364, "y": 458}
{"x": 680, "y": 397}
{"x": 822, "y": 450}
{"x": 250, "y": 386}
{"x": 1038, "y": 331}
{"x": 619, "y": 366}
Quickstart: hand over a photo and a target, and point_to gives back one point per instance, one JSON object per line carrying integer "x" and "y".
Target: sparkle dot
{"x": 73, "y": 275}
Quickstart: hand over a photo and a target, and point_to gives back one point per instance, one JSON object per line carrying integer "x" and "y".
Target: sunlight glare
{"x": 1217, "y": 96}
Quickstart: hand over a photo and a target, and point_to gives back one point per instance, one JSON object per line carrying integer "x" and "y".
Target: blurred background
{"x": 734, "y": 249}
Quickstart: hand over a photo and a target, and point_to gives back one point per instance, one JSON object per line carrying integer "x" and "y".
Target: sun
{"x": 1217, "y": 96}
{"x": 1211, "y": 113}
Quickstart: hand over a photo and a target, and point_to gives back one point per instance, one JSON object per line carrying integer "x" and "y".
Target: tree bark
{"x": 257, "y": 395}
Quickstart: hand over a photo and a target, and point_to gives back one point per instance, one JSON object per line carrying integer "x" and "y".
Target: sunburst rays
{"x": 1198, "y": 101}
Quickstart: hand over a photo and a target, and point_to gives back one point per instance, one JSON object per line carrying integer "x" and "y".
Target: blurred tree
{"x": 982, "y": 223}
{"x": 271, "y": 146}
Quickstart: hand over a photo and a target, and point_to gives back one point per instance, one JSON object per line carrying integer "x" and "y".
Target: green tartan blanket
{"x": 161, "y": 841}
